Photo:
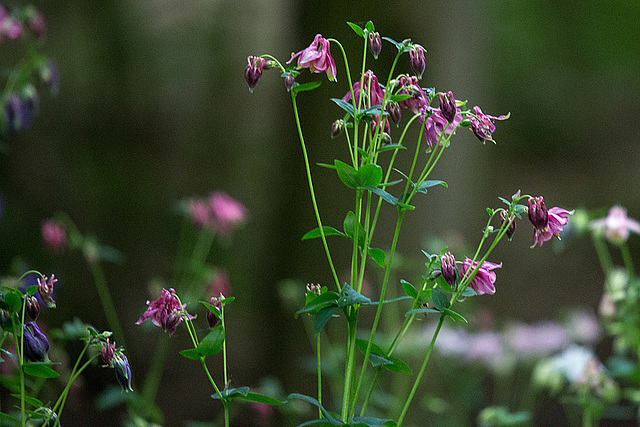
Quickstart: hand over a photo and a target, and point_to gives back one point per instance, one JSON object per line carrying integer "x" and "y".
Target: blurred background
{"x": 153, "y": 108}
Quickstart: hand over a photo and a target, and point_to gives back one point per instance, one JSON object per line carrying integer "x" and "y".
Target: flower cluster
{"x": 219, "y": 212}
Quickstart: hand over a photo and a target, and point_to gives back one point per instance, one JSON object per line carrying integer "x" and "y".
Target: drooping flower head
{"x": 437, "y": 127}
{"x": 212, "y": 319}
{"x": 546, "y": 222}
{"x": 33, "y": 307}
{"x": 372, "y": 95}
{"x": 482, "y": 124}
{"x": 317, "y": 58}
{"x": 409, "y": 86}
{"x": 165, "y": 312}
{"x": 253, "y": 71}
{"x": 448, "y": 106}
{"x": 54, "y": 235}
{"x": 123, "y": 371}
{"x": 375, "y": 44}
{"x": 483, "y": 281}
{"x": 107, "y": 352}
{"x": 617, "y": 225}
{"x": 45, "y": 289}
{"x": 448, "y": 268}
{"x": 512, "y": 226}
{"x": 417, "y": 62}
{"x": 36, "y": 344}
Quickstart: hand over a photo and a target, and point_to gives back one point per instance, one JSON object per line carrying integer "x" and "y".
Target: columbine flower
{"x": 393, "y": 109}
{"x": 45, "y": 289}
{"x": 409, "y": 86}
{"x": 165, "y": 312}
{"x": 436, "y": 125}
{"x": 123, "y": 371}
{"x": 107, "y": 352}
{"x": 546, "y": 223}
{"x": 33, "y": 307}
{"x": 317, "y": 58}
{"x": 482, "y": 124}
{"x": 375, "y": 44}
{"x": 617, "y": 225}
{"x": 373, "y": 94}
{"x": 227, "y": 213}
{"x": 36, "y": 344}
{"x": 448, "y": 106}
{"x": 417, "y": 62}
{"x": 54, "y": 235}
{"x": 483, "y": 281}
{"x": 253, "y": 71}
{"x": 448, "y": 268}
{"x": 289, "y": 81}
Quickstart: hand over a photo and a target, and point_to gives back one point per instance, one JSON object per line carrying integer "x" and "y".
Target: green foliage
{"x": 304, "y": 87}
{"x": 348, "y": 296}
{"x": 440, "y": 299}
{"x": 378, "y": 357}
{"x": 367, "y": 176}
{"x": 39, "y": 369}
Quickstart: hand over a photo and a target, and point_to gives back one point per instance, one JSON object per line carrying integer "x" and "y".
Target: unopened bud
{"x": 289, "y": 81}
{"x": 337, "y": 127}
{"x": 417, "y": 61}
{"x": 33, "y": 307}
{"x": 512, "y": 226}
{"x": 212, "y": 319}
{"x": 375, "y": 44}
{"x": 393, "y": 108}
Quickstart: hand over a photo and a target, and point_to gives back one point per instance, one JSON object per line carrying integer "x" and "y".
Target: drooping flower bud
{"x": 33, "y": 307}
{"x": 289, "y": 81}
{"x": 417, "y": 61}
{"x": 538, "y": 214}
{"x": 107, "y": 352}
{"x": 253, "y": 71}
{"x": 123, "y": 371}
{"x": 393, "y": 109}
{"x": 36, "y": 344}
{"x": 512, "y": 227}
{"x": 313, "y": 288}
{"x": 337, "y": 127}
{"x": 375, "y": 44}
{"x": 212, "y": 319}
{"x": 45, "y": 289}
{"x": 448, "y": 106}
{"x": 448, "y": 268}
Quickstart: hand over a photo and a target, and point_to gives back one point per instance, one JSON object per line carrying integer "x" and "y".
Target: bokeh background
{"x": 153, "y": 108}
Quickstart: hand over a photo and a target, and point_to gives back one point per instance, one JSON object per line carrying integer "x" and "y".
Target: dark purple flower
{"x": 482, "y": 124}
{"x": 448, "y": 106}
{"x": 123, "y": 371}
{"x": 537, "y": 212}
{"x": 393, "y": 109}
{"x": 448, "y": 268}
{"x": 289, "y": 81}
{"x": 45, "y": 289}
{"x": 54, "y": 235}
{"x": 165, "y": 312}
{"x": 375, "y": 44}
{"x": 337, "y": 127}
{"x": 33, "y": 307}
{"x": 409, "y": 86}
{"x": 483, "y": 281}
{"x": 212, "y": 319}
{"x": 417, "y": 61}
{"x": 437, "y": 127}
{"x": 253, "y": 71}
{"x": 373, "y": 94}
{"x": 317, "y": 58}
{"x": 36, "y": 344}
{"x": 107, "y": 352}
{"x": 512, "y": 226}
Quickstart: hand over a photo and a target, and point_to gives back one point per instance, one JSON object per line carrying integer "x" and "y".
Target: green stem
{"x": 313, "y": 195}
{"x": 626, "y": 257}
{"x": 422, "y": 369}
{"x": 350, "y": 358}
{"x": 107, "y": 302}
{"x": 603, "y": 254}
{"x": 319, "y": 374}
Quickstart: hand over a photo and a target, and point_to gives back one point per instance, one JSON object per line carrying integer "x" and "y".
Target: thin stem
{"x": 603, "y": 254}
{"x": 313, "y": 195}
{"x": 106, "y": 300}
{"x": 350, "y": 359}
{"x": 319, "y": 374}
{"x": 422, "y": 369}
{"x": 626, "y": 257}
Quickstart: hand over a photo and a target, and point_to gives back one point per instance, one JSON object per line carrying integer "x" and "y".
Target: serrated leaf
{"x": 409, "y": 289}
{"x": 454, "y": 315}
{"x": 344, "y": 105}
{"x": 348, "y": 296}
{"x": 40, "y": 370}
{"x": 378, "y": 255}
{"x": 328, "y": 231}
{"x": 356, "y": 29}
{"x": 305, "y": 87}
{"x": 213, "y": 342}
{"x": 440, "y": 299}
{"x": 322, "y": 317}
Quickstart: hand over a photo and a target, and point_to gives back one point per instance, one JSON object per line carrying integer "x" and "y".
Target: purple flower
{"x": 289, "y": 81}
{"x": 123, "y": 371}
{"x": 393, "y": 109}
{"x": 45, "y": 289}
{"x": 253, "y": 71}
{"x": 617, "y": 225}
{"x": 448, "y": 268}
{"x": 482, "y": 124}
{"x": 416, "y": 56}
{"x": 448, "y": 106}
{"x": 36, "y": 344}
{"x": 317, "y": 58}
{"x": 33, "y": 307}
{"x": 373, "y": 94}
{"x": 9, "y": 26}
{"x": 227, "y": 213}
{"x": 212, "y": 319}
{"x": 54, "y": 235}
{"x": 409, "y": 86}
{"x": 375, "y": 44}
{"x": 107, "y": 352}
{"x": 512, "y": 226}
{"x": 483, "y": 281}
{"x": 545, "y": 228}
{"x": 436, "y": 125}
{"x": 165, "y": 312}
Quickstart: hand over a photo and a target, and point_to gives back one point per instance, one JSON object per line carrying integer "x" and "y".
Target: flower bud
{"x": 337, "y": 127}
{"x": 36, "y": 344}
{"x": 393, "y": 109}
{"x": 538, "y": 214}
{"x": 448, "y": 268}
{"x": 212, "y": 319}
{"x": 253, "y": 71}
{"x": 123, "y": 372}
{"x": 512, "y": 226}
{"x": 45, "y": 289}
{"x": 289, "y": 81}
{"x": 375, "y": 44}
{"x": 33, "y": 307}
{"x": 107, "y": 352}
{"x": 448, "y": 106}
{"x": 417, "y": 61}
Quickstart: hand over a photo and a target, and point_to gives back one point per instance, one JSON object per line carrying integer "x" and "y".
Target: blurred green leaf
{"x": 328, "y": 231}
{"x": 454, "y": 315}
{"x": 409, "y": 289}
{"x": 322, "y": 317}
{"x": 440, "y": 299}
{"x": 348, "y": 296}
{"x": 344, "y": 105}
{"x": 191, "y": 353}
{"x": 40, "y": 370}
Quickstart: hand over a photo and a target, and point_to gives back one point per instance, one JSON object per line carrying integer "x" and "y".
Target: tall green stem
{"x": 107, "y": 302}
{"x": 350, "y": 358}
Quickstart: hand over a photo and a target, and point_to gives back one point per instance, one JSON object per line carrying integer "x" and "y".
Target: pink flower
{"x": 556, "y": 218}
{"x": 416, "y": 60}
{"x": 409, "y": 86}
{"x": 448, "y": 268}
{"x": 437, "y": 127}
{"x": 107, "y": 352}
{"x": 373, "y": 94}
{"x": 483, "y": 281}
{"x": 482, "y": 124}
{"x": 45, "y": 289}
{"x": 54, "y": 235}
{"x": 220, "y": 284}
{"x": 227, "y": 213}
{"x": 165, "y": 312}
{"x": 317, "y": 58}
{"x": 253, "y": 71}
{"x": 617, "y": 225}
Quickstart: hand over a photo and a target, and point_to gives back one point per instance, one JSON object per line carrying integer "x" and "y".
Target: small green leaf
{"x": 440, "y": 299}
{"x": 212, "y": 308}
{"x": 469, "y": 292}
{"x": 399, "y": 97}
{"x": 356, "y": 28}
{"x": 252, "y": 397}
{"x": 398, "y": 366}
{"x": 213, "y": 342}
{"x": 326, "y": 165}
{"x": 388, "y": 147}
{"x": 454, "y": 315}
{"x": 348, "y": 296}
{"x": 409, "y": 289}
{"x": 369, "y": 27}
{"x": 318, "y": 302}
{"x": 191, "y": 353}
{"x": 305, "y": 87}
{"x": 421, "y": 310}
{"x": 40, "y": 370}
{"x": 398, "y": 46}
{"x": 328, "y": 231}
{"x": 344, "y": 105}
{"x": 325, "y": 413}
{"x": 349, "y": 224}
{"x": 347, "y": 174}
{"x": 227, "y": 300}
{"x": 378, "y": 256}
{"x": 13, "y": 302}
{"x": 383, "y": 195}
{"x": 31, "y": 290}
{"x": 430, "y": 183}
{"x": 323, "y": 317}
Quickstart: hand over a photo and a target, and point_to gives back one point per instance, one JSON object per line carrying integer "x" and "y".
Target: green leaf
{"x": 469, "y": 292}
{"x": 318, "y": 302}
{"x": 305, "y": 87}
{"x": 350, "y": 223}
{"x": 383, "y": 195}
{"x": 398, "y": 46}
{"x": 212, "y": 308}
{"x": 388, "y": 147}
{"x": 454, "y": 315}
{"x": 367, "y": 175}
{"x": 421, "y": 310}
{"x": 13, "y": 302}
{"x": 347, "y": 174}
{"x": 430, "y": 183}
{"x": 325, "y": 413}
{"x": 255, "y": 397}
{"x": 326, "y": 165}
{"x": 356, "y": 28}
{"x": 378, "y": 256}
{"x": 409, "y": 289}
{"x": 399, "y": 97}
{"x": 322, "y": 318}
{"x": 31, "y": 290}
{"x": 328, "y": 231}
{"x": 344, "y": 105}
{"x": 191, "y": 353}
{"x": 9, "y": 418}
{"x": 398, "y": 366}
{"x": 227, "y": 300}
{"x": 424, "y": 296}
{"x": 30, "y": 400}
{"x": 369, "y": 27}
{"x": 11, "y": 355}
{"x": 213, "y": 342}
{"x": 40, "y": 370}
{"x": 440, "y": 299}
{"x": 378, "y": 360}
{"x": 348, "y": 296}
{"x": 377, "y": 357}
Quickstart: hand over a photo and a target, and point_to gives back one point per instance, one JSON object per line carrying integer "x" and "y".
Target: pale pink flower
{"x": 317, "y": 58}
{"x": 227, "y": 213}
{"x": 483, "y": 281}
{"x": 54, "y": 235}
{"x": 617, "y": 225}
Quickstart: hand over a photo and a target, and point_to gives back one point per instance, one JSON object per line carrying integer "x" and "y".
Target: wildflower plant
{"x": 368, "y": 108}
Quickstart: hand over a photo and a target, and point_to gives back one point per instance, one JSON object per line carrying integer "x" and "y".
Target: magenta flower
{"x": 45, "y": 289}
{"x": 483, "y": 281}
{"x": 448, "y": 268}
{"x": 545, "y": 229}
{"x": 253, "y": 71}
{"x": 482, "y": 124}
{"x": 448, "y": 106}
{"x": 375, "y": 44}
{"x": 9, "y": 26}
{"x": 165, "y": 312}
{"x": 226, "y": 212}
{"x": 54, "y": 235}
{"x": 317, "y": 58}
{"x": 373, "y": 94}
{"x": 107, "y": 352}
{"x": 220, "y": 284}
{"x": 416, "y": 60}
{"x": 617, "y": 225}
{"x": 419, "y": 99}
{"x": 436, "y": 125}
